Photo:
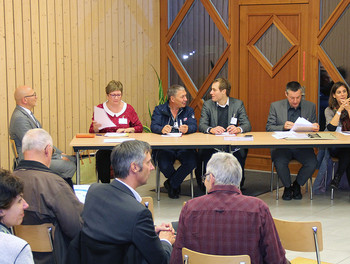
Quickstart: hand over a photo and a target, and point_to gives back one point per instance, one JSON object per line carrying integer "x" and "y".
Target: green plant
{"x": 162, "y": 98}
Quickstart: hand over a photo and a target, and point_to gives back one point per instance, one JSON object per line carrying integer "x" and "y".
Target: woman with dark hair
{"x": 12, "y": 205}
{"x": 337, "y": 119}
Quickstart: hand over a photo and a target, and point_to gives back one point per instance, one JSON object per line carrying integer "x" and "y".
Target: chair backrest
{"x": 15, "y": 153}
{"x": 193, "y": 257}
{"x": 299, "y": 236}
{"x": 148, "y": 202}
{"x": 39, "y": 237}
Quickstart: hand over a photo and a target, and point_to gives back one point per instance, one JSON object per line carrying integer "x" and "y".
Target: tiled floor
{"x": 334, "y": 216}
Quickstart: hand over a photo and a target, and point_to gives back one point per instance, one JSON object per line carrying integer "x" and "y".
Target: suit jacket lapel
{"x": 230, "y": 110}
{"x": 28, "y": 116}
{"x": 215, "y": 113}
{"x": 284, "y": 110}
{"x": 116, "y": 184}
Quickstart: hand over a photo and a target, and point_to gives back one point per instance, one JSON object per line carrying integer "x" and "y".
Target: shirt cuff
{"x": 166, "y": 240}
{"x": 208, "y": 130}
{"x": 241, "y": 129}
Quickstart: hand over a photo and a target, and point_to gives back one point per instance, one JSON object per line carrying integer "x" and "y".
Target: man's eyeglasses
{"x": 204, "y": 177}
{"x": 115, "y": 95}
{"x": 34, "y": 94}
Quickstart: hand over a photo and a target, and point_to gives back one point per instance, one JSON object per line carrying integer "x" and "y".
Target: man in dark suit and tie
{"x": 114, "y": 216}
{"x": 23, "y": 119}
{"x": 282, "y": 117}
{"x": 222, "y": 114}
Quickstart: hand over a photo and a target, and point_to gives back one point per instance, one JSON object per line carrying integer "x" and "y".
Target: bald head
{"x": 25, "y": 97}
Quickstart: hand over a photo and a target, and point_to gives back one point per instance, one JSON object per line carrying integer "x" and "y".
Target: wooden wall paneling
{"x": 27, "y": 44}
{"x": 95, "y": 63}
{"x": 116, "y": 17}
{"x": 133, "y": 70}
{"x": 141, "y": 28}
{"x": 102, "y": 52}
{"x": 18, "y": 41}
{"x": 126, "y": 53}
{"x": 233, "y": 62}
{"x": 163, "y": 70}
{"x": 52, "y": 87}
{"x": 5, "y": 154}
{"x": 89, "y": 61}
{"x": 43, "y": 91}
{"x": 108, "y": 42}
{"x": 119, "y": 47}
{"x": 75, "y": 45}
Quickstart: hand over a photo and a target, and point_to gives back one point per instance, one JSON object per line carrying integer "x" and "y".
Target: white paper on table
{"x": 115, "y": 134}
{"x": 225, "y": 134}
{"x": 81, "y": 191}
{"x": 117, "y": 140}
{"x": 289, "y": 134}
{"x": 302, "y": 125}
{"x": 172, "y": 135}
{"x": 101, "y": 117}
{"x": 345, "y": 133}
{"x": 238, "y": 138}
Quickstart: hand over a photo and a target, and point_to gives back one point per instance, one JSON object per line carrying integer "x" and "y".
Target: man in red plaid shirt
{"x": 225, "y": 222}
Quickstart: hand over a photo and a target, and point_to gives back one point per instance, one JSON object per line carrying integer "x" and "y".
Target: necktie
{"x": 35, "y": 121}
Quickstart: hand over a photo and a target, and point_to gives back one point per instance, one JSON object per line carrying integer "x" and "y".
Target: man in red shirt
{"x": 225, "y": 222}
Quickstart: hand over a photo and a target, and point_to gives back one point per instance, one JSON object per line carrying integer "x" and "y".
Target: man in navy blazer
{"x": 113, "y": 213}
{"x": 23, "y": 119}
{"x": 282, "y": 116}
{"x": 222, "y": 114}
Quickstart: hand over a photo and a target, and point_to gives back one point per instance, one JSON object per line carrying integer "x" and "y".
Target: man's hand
{"x": 170, "y": 236}
{"x": 315, "y": 127}
{"x": 183, "y": 129}
{"x": 217, "y": 130}
{"x": 166, "y": 129}
{"x": 233, "y": 129}
{"x": 288, "y": 125}
{"x": 164, "y": 227}
{"x": 96, "y": 126}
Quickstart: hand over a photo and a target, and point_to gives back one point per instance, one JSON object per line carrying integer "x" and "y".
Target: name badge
{"x": 123, "y": 121}
{"x": 233, "y": 121}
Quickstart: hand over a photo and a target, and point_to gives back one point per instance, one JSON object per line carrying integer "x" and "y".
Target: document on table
{"x": 226, "y": 134}
{"x": 289, "y": 135}
{"x": 238, "y": 138}
{"x": 81, "y": 191}
{"x": 110, "y": 134}
{"x": 302, "y": 125}
{"x": 345, "y": 133}
{"x": 117, "y": 140}
{"x": 101, "y": 117}
{"x": 172, "y": 135}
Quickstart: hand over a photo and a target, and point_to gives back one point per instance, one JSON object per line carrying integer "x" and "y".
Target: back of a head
{"x": 10, "y": 187}
{"x": 172, "y": 90}
{"x": 225, "y": 168}
{"x": 127, "y": 152}
{"x": 293, "y": 86}
{"x": 36, "y": 139}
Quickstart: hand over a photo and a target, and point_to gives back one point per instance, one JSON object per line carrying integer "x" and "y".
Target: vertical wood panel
{"x": 68, "y": 51}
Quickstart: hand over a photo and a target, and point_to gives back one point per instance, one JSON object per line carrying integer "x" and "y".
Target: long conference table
{"x": 200, "y": 140}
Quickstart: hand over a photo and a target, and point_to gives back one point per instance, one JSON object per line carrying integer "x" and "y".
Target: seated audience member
{"x": 222, "y": 114}
{"x": 125, "y": 119}
{"x": 23, "y": 119}
{"x": 12, "y": 249}
{"x": 115, "y": 221}
{"x": 281, "y": 117}
{"x": 50, "y": 198}
{"x": 337, "y": 119}
{"x": 174, "y": 117}
{"x": 225, "y": 222}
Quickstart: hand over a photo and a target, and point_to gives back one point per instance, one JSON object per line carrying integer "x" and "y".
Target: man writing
{"x": 282, "y": 116}
{"x": 113, "y": 214}
{"x": 23, "y": 119}
{"x": 225, "y": 222}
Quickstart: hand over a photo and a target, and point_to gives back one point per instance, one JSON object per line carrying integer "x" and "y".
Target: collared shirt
{"x": 105, "y": 107}
{"x": 294, "y": 113}
{"x": 137, "y": 196}
{"x": 223, "y": 106}
{"x": 30, "y": 113}
{"x": 5, "y": 229}
{"x": 225, "y": 222}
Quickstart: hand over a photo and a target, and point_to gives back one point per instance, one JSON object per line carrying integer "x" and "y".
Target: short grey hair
{"x": 172, "y": 90}
{"x": 225, "y": 168}
{"x": 36, "y": 139}
{"x": 126, "y": 153}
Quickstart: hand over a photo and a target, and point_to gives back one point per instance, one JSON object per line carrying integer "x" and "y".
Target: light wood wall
{"x": 68, "y": 51}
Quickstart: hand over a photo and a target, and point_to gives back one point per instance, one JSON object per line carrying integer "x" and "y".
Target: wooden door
{"x": 274, "y": 50}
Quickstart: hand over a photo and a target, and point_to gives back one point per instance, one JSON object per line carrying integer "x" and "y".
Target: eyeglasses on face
{"x": 34, "y": 94}
{"x": 115, "y": 95}
{"x": 204, "y": 177}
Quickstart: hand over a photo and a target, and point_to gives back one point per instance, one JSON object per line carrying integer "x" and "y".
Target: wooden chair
{"x": 301, "y": 236}
{"x": 158, "y": 182}
{"x": 148, "y": 202}
{"x": 193, "y": 257}
{"x": 39, "y": 237}
{"x": 15, "y": 153}
{"x": 293, "y": 161}
{"x": 334, "y": 161}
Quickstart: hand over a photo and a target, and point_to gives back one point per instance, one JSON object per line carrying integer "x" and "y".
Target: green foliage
{"x": 162, "y": 98}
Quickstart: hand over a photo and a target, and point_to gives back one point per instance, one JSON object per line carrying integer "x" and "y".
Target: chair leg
{"x": 332, "y": 189}
{"x": 192, "y": 194}
{"x": 272, "y": 176}
{"x": 158, "y": 183}
{"x": 311, "y": 194}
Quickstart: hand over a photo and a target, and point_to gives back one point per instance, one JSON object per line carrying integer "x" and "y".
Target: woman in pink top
{"x": 125, "y": 120}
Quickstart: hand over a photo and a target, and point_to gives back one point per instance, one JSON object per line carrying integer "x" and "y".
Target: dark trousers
{"x": 103, "y": 165}
{"x": 343, "y": 154}
{"x": 282, "y": 157}
{"x": 204, "y": 156}
{"x": 166, "y": 159}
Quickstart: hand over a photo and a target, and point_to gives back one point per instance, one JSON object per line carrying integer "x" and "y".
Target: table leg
{"x": 78, "y": 168}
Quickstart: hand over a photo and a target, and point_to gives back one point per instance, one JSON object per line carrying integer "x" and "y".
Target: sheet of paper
{"x": 290, "y": 135}
{"x": 101, "y": 117}
{"x": 225, "y": 134}
{"x": 116, "y": 140}
{"x": 110, "y": 134}
{"x": 238, "y": 138}
{"x": 172, "y": 135}
{"x": 302, "y": 125}
{"x": 345, "y": 133}
{"x": 81, "y": 191}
